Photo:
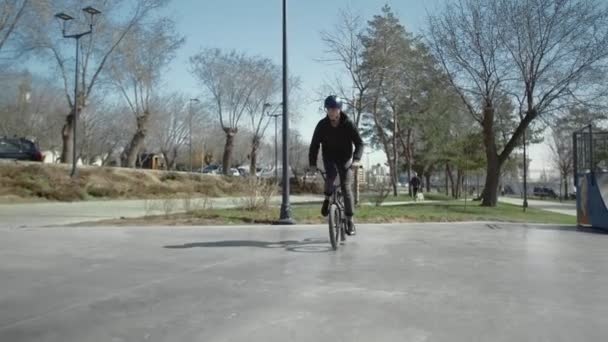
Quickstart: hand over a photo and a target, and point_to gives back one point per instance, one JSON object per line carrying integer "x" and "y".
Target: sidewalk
{"x": 59, "y": 213}
{"x": 554, "y": 207}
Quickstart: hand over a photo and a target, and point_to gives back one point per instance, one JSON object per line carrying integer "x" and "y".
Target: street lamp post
{"x": 525, "y": 174}
{"x": 190, "y": 132}
{"x": 66, "y": 18}
{"x": 276, "y": 143}
{"x": 285, "y": 217}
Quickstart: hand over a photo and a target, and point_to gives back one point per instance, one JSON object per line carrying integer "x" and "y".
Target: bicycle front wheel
{"x": 334, "y": 226}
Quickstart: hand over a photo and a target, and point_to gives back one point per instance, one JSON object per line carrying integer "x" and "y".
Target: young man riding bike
{"x": 336, "y": 134}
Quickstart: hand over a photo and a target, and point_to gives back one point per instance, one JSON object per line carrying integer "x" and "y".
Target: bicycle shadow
{"x": 304, "y": 246}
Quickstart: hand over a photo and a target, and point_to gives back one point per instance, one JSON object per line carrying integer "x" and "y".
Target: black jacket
{"x": 415, "y": 182}
{"x": 337, "y": 142}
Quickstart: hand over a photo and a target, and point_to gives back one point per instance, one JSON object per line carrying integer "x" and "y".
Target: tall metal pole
{"x": 591, "y": 156}
{"x": 395, "y": 161}
{"x": 190, "y": 135}
{"x": 525, "y": 174}
{"x": 276, "y": 148}
{"x": 65, "y": 18}
{"x": 76, "y": 103}
{"x": 285, "y": 217}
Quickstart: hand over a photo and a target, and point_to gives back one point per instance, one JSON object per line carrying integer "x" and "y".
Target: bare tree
{"x": 215, "y": 140}
{"x": 545, "y": 54}
{"x": 136, "y": 70}
{"x": 465, "y": 39}
{"x": 30, "y": 106}
{"x": 96, "y": 49}
{"x": 344, "y": 46}
{"x": 11, "y": 14}
{"x": 298, "y": 152}
{"x": 258, "y": 108}
{"x": 104, "y": 131}
{"x": 171, "y": 126}
{"x": 562, "y": 128}
{"x": 558, "y": 55}
{"x": 561, "y": 147}
{"x": 230, "y": 80}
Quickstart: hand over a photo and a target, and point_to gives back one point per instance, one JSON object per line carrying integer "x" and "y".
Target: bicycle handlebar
{"x": 324, "y": 173}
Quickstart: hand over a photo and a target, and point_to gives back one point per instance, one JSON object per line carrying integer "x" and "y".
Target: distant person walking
{"x": 415, "y": 185}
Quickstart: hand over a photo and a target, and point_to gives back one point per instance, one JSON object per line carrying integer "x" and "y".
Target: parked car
{"x": 212, "y": 169}
{"x": 234, "y": 172}
{"x": 572, "y": 195}
{"x": 543, "y": 192}
{"x": 508, "y": 190}
{"x": 218, "y": 170}
{"x": 270, "y": 172}
{"x": 244, "y": 170}
{"x": 19, "y": 149}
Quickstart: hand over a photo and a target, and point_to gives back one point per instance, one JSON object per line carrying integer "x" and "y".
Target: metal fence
{"x": 590, "y": 151}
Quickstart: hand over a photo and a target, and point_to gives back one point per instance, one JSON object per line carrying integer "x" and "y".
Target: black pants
{"x": 344, "y": 171}
{"x": 415, "y": 189}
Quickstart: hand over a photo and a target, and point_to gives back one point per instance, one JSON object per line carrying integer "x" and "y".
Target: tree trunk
{"x": 450, "y": 176}
{"x": 395, "y": 156}
{"x": 447, "y": 180}
{"x": 255, "y": 145}
{"x": 166, "y": 156}
{"x": 170, "y": 158}
{"x": 566, "y": 187}
{"x": 67, "y": 137}
{"x": 230, "y": 133}
{"x": 408, "y": 155}
{"x": 391, "y": 164}
{"x": 105, "y": 159}
{"x": 394, "y": 179}
{"x": 427, "y": 177}
{"x": 459, "y": 181}
{"x": 132, "y": 151}
{"x": 490, "y": 193}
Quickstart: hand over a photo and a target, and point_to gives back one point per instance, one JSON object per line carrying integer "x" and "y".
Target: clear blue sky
{"x": 254, "y": 27}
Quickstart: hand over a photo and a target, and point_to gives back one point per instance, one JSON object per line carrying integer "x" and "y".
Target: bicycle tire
{"x": 334, "y": 226}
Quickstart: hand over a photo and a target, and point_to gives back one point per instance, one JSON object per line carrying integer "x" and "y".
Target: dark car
{"x": 212, "y": 169}
{"x": 508, "y": 190}
{"x": 544, "y": 192}
{"x": 19, "y": 149}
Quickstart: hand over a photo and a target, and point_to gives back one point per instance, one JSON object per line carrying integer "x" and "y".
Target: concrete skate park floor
{"x": 407, "y": 282}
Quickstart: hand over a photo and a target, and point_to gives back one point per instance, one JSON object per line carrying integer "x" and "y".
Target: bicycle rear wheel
{"x": 335, "y": 222}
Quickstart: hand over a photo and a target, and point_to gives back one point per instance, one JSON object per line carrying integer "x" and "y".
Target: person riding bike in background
{"x": 337, "y": 134}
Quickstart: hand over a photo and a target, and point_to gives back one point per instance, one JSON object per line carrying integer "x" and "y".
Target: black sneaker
{"x": 350, "y": 228}
{"x": 325, "y": 208}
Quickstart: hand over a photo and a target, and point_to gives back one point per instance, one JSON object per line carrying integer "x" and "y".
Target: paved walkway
{"x": 48, "y": 214}
{"x": 568, "y": 208}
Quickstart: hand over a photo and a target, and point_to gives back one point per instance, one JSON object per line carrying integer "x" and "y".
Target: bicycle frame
{"x": 336, "y": 196}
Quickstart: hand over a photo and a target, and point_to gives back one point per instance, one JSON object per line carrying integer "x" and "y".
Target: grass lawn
{"x": 304, "y": 214}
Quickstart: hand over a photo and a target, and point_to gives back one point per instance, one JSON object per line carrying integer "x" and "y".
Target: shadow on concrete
{"x": 304, "y": 246}
{"x": 592, "y": 230}
{"x": 587, "y": 230}
{"x": 573, "y": 228}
